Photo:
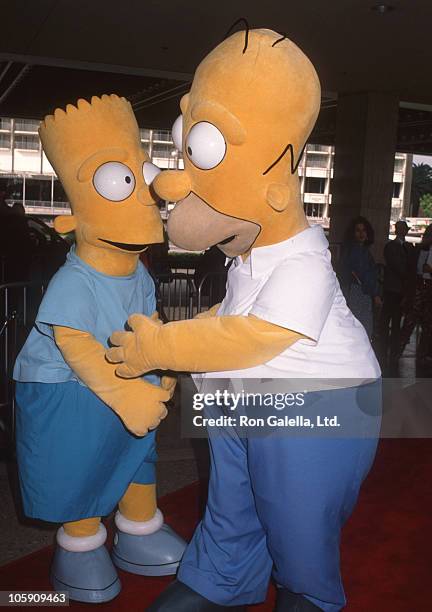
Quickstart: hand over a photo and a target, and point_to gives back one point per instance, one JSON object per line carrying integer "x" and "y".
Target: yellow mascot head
{"x": 96, "y": 151}
{"x": 252, "y": 105}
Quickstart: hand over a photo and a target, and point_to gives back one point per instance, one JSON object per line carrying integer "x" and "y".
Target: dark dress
{"x": 359, "y": 282}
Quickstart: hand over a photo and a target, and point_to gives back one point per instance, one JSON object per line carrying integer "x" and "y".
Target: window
{"x": 4, "y": 141}
{"x": 26, "y": 125}
{"x": 396, "y": 190}
{"x": 313, "y": 210}
{"x": 5, "y": 123}
{"x": 162, "y": 151}
{"x": 163, "y": 135}
{"x": 4, "y": 185}
{"x": 145, "y": 134}
{"x": 38, "y": 189}
{"x": 314, "y": 184}
{"x": 27, "y": 141}
{"x": 316, "y": 161}
{"x": 399, "y": 165}
{"x": 315, "y": 147}
{"x": 14, "y": 187}
{"x": 59, "y": 192}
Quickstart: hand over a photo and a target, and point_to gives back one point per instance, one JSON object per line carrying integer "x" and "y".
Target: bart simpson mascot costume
{"x": 83, "y": 435}
{"x": 276, "y": 504}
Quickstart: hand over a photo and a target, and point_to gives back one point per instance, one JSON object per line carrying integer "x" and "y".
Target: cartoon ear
{"x": 64, "y": 224}
{"x": 278, "y": 196}
{"x": 184, "y": 103}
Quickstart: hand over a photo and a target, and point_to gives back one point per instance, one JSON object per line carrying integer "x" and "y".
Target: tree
{"x": 421, "y": 185}
{"x": 426, "y": 204}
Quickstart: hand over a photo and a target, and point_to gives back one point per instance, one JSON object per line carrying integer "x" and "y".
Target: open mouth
{"x": 125, "y": 246}
{"x": 227, "y": 240}
{"x": 232, "y": 235}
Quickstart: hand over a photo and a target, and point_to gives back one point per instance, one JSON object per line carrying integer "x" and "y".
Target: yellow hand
{"x": 169, "y": 384}
{"x": 142, "y": 412}
{"x": 135, "y": 350}
{"x": 138, "y": 403}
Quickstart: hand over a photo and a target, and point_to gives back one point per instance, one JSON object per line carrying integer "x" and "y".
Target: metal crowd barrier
{"x": 19, "y": 303}
{"x": 177, "y": 296}
{"x": 174, "y": 296}
{"x": 210, "y": 291}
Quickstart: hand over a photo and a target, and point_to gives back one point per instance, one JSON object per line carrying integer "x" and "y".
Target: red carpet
{"x": 386, "y": 552}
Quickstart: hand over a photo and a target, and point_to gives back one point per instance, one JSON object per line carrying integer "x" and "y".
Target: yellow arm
{"x": 201, "y": 345}
{"x": 138, "y": 403}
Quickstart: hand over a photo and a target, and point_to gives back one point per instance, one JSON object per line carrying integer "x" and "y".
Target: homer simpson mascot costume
{"x": 276, "y": 504}
{"x": 85, "y": 437}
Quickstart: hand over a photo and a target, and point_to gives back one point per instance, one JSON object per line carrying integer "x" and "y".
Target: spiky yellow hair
{"x": 70, "y": 136}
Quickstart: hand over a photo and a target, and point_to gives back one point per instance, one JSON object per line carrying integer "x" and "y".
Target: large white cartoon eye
{"x": 149, "y": 172}
{"x": 205, "y": 145}
{"x": 114, "y": 181}
{"x": 177, "y": 133}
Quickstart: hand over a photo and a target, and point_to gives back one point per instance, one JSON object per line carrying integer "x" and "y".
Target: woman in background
{"x": 358, "y": 272}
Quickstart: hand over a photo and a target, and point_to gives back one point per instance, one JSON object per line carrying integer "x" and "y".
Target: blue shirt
{"x": 81, "y": 298}
{"x": 358, "y": 259}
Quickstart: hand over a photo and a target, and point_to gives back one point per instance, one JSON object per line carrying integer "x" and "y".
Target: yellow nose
{"x": 172, "y": 185}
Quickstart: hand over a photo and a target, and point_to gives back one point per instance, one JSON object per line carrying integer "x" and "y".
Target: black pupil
{"x": 189, "y": 150}
{"x": 128, "y": 179}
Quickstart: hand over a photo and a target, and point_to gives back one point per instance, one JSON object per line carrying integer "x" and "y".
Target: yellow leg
{"x": 139, "y": 502}
{"x": 83, "y": 528}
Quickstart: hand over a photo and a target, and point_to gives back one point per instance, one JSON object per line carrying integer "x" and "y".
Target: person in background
{"x": 399, "y": 256}
{"x": 421, "y": 313}
{"x": 358, "y": 272}
{"x": 15, "y": 242}
{"x": 18, "y": 209}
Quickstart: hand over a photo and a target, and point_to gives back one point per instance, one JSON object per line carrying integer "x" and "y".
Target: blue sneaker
{"x": 89, "y": 576}
{"x": 147, "y": 554}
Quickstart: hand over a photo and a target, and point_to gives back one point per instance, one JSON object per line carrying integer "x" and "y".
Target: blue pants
{"x": 276, "y": 505}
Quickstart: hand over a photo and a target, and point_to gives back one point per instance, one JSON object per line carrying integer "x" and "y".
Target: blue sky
{"x": 422, "y": 159}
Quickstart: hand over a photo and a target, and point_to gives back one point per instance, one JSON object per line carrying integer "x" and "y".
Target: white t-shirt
{"x": 292, "y": 284}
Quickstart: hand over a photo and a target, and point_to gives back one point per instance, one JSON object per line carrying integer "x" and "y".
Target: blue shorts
{"x": 75, "y": 457}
